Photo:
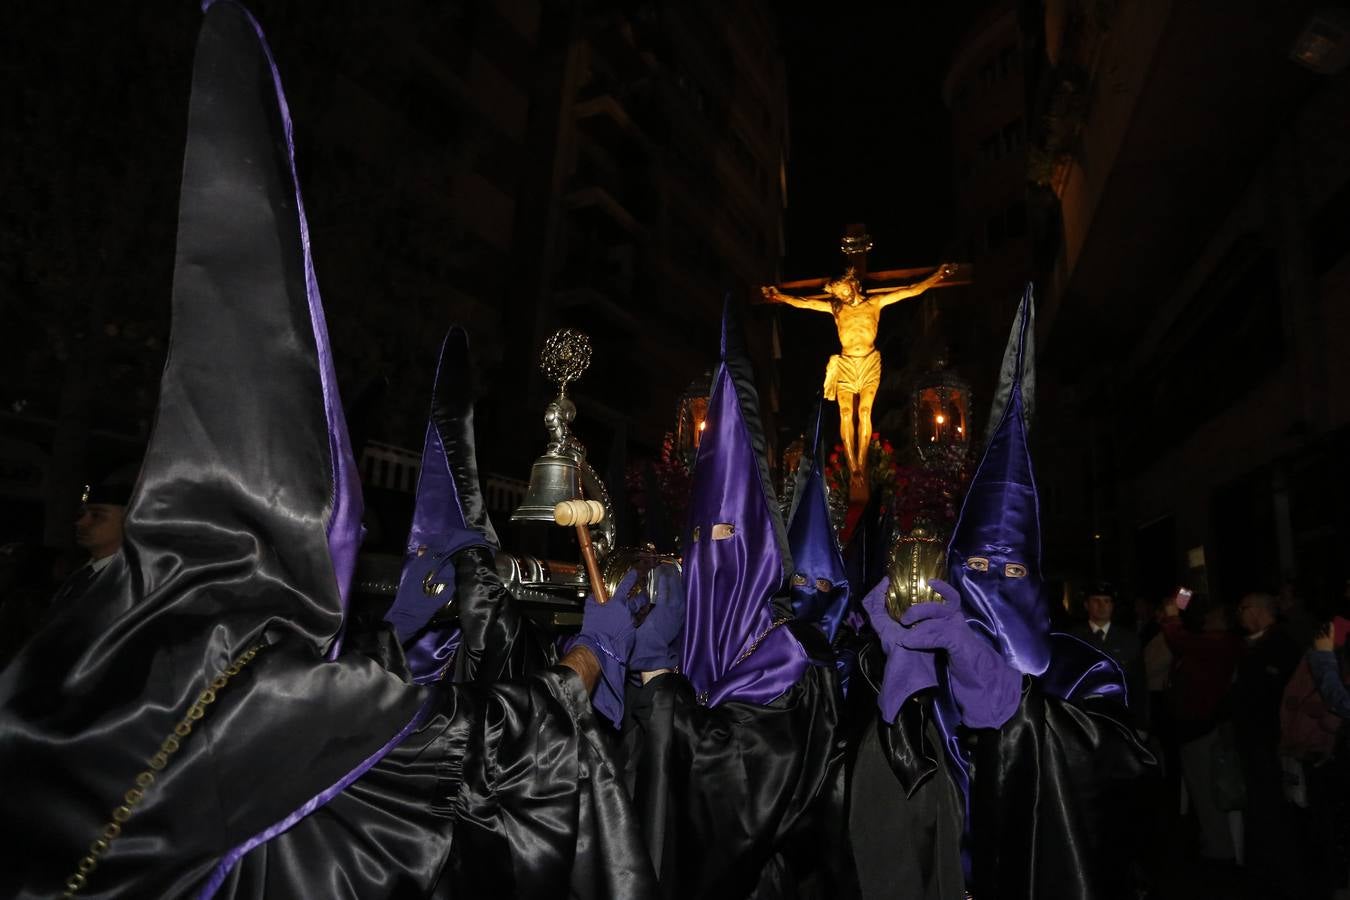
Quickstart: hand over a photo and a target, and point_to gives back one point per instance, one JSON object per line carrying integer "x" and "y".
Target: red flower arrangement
{"x": 882, "y": 470}
{"x": 930, "y": 493}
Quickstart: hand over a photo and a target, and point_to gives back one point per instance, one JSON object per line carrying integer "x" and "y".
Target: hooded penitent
{"x": 995, "y": 553}
{"x": 448, "y": 515}
{"x": 820, "y": 587}
{"x": 736, "y": 557}
{"x": 241, "y": 537}
{"x": 994, "y": 557}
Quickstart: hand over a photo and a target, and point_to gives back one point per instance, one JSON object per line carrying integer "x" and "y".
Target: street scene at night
{"x": 711, "y": 449}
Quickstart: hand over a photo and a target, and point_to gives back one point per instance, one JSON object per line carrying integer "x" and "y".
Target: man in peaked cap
{"x": 1117, "y": 641}
{"x": 98, "y": 532}
{"x": 995, "y": 746}
{"x": 199, "y": 723}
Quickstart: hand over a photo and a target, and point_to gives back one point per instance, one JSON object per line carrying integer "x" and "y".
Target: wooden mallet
{"x": 583, "y": 514}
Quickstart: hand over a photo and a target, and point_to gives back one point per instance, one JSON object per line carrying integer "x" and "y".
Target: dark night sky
{"x": 870, "y": 143}
{"x": 870, "y": 135}
{"x": 103, "y": 101}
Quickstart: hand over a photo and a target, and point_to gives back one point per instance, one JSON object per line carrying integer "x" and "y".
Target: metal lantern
{"x": 941, "y": 416}
{"x": 692, "y": 418}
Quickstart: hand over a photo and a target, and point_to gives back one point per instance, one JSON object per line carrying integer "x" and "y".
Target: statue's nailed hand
{"x": 770, "y": 293}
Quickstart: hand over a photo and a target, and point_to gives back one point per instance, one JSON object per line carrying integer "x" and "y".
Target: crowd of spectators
{"x": 1243, "y": 704}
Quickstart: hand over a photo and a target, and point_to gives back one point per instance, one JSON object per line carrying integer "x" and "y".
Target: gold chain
{"x": 754, "y": 645}
{"x": 77, "y": 880}
{"x": 702, "y": 696}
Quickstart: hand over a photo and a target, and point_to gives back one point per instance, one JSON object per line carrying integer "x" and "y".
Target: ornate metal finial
{"x": 854, "y": 244}
{"x": 565, "y": 356}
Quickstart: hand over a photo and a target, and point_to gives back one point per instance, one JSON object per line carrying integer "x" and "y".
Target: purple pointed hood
{"x": 448, "y": 514}
{"x": 995, "y": 553}
{"x": 736, "y": 557}
{"x": 819, "y": 583}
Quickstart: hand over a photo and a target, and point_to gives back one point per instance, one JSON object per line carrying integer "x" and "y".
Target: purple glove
{"x": 907, "y": 671}
{"x": 986, "y": 689}
{"x": 658, "y": 637}
{"x": 608, "y": 630}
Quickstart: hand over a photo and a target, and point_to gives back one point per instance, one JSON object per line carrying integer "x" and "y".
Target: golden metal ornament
{"x": 915, "y": 559}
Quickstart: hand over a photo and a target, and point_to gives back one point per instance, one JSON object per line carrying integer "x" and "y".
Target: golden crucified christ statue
{"x": 853, "y": 375}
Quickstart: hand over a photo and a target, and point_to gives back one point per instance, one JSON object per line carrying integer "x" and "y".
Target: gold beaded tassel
{"x": 157, "y": 763}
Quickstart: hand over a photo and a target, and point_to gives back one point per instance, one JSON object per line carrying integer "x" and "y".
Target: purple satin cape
{"x": 734, "y": 647}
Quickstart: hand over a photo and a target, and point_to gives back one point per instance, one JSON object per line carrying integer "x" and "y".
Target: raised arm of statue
{"x": 913, "y": 290}
{"x": 773, "y": 295}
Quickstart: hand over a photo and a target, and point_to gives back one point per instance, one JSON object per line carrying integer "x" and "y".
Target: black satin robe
{"x": 505, "y": 792}
{"x": 506, "y": 789}
{"x": 497, "y": 641}
{"x": 1048, "y": 791}
{"x": 502, "y": 788}
{"x": 732, "y": 798}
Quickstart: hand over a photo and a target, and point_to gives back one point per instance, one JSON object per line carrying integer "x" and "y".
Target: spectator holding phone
{"x": 1202, "y": 671}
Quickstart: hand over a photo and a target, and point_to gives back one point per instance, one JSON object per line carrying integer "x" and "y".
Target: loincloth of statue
{"x": 852, "y": 374}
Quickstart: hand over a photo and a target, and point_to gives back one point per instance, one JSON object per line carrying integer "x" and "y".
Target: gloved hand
{"x": 427, "y": 583}
{"x": 907, "y": 671}
{"x": 986, "y": 689}
{"x": 608, "y": 630}
{"x": 658, "y": 635}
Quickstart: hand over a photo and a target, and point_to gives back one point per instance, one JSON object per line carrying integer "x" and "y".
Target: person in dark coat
{"x": 98, "y": 532}
{"x": 1118, "y": 642}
